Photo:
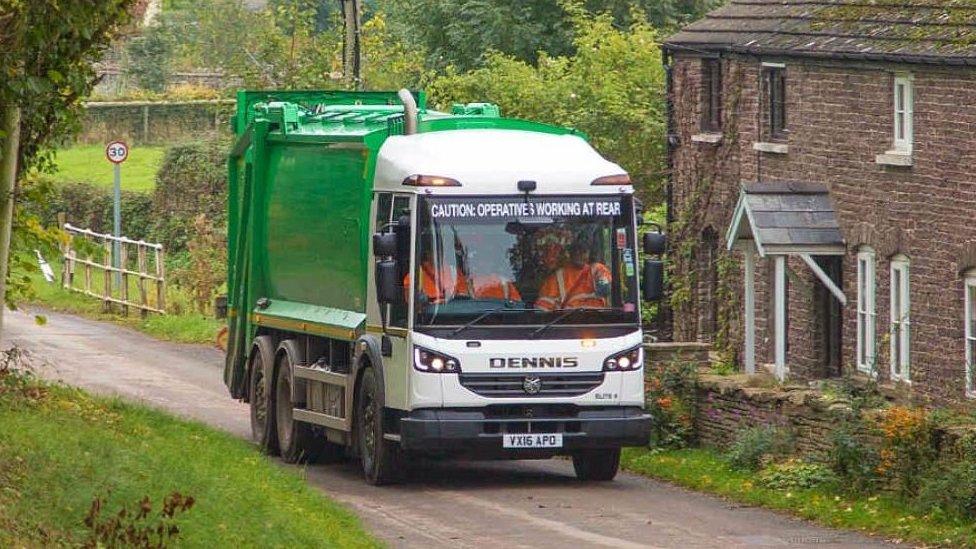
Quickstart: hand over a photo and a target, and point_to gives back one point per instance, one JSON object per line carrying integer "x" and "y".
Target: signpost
{"x": 117, "y": 152}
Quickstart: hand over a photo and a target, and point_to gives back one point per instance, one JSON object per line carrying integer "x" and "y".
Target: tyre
{"x": 259, "y": 396}
{"x": 597, "y": 465}
{"x": 297, "y": 440}
{"x": 380, "y": 457}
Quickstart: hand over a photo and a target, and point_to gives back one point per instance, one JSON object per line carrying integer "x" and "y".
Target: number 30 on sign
{"x": 117, "y": 152}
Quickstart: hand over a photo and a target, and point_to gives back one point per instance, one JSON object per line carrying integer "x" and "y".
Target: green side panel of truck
{"x": 300, "y": 184}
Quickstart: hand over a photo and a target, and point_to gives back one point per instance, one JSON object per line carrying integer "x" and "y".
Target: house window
{"x": 904, "y": 95}
{"x": 776, "y": 93}
{"x": 970, "y": 319}
{"x": 900, "y": 319}
{"x": 711, "y": 95}
{"x": 866, "y": 314}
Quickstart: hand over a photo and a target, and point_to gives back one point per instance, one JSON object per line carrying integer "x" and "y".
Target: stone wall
{"x": 728, "y": 405}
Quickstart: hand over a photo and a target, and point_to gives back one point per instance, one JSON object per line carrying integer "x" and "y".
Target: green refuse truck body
{"x": 522, "y": 337}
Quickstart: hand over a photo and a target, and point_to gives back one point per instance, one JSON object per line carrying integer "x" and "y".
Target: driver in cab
{"x": 579, "y": 283}
{"x": 471, "y": 279}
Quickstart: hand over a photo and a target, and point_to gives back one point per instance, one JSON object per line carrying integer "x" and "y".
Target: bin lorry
{"x": 404, "y": 282}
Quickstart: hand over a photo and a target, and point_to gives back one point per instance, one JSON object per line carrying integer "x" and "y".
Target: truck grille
{"x": 531, "y": 385}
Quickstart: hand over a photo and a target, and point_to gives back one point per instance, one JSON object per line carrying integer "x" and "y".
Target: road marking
{"x": 555, "y": 526}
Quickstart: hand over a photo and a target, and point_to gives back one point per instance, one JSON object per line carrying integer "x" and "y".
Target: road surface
{"x": 512, "y": 504}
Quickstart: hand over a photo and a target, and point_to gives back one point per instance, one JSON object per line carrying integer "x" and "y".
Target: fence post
{"x": 107, "y": 289}
{"x": 143, "y": 296}
{"x": 160, "y": 285}
{"x": 145, "y": 124}
{"x": 123, "y": 277}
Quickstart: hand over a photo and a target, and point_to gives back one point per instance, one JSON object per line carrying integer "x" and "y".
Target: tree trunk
{"x": 8, "y": 177}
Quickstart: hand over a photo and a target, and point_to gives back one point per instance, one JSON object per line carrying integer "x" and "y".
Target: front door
{"x": 829, "y": 317}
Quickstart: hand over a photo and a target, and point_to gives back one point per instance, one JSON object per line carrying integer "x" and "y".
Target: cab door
{"x": 388, "y": 209}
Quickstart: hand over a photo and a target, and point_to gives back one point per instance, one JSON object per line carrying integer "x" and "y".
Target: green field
{"x": 61, "y": 448}
{"x": 87, "y": 163}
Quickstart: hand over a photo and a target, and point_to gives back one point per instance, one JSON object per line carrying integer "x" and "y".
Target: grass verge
{"x": 883, "y": 514}
{"x": 181, "y": 328}
{"x": 61, "y": 449}
{"x": 88, "y": 163}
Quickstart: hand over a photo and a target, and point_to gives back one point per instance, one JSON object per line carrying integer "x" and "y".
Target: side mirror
{"x": 655, "y": 243}
{"x": 652, "y": 284}
{"x": 385, "y": 244}
{"x": 387, "y": 286}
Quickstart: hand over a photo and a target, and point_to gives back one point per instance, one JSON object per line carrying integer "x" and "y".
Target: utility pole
{"x": 352, "y": 51}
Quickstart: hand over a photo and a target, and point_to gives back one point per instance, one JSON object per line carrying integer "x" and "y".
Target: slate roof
{"x": 917, "y": 31}
{"x": 787, "y": 217}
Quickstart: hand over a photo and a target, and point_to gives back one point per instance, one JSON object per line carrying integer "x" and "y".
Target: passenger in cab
{"x": 578, "y": 283}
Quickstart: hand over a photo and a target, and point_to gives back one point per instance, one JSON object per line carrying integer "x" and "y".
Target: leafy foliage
{"x": 612, "y": 89}
{"x": 190, "y": 182}
{"x": 795, "y": 474}
{"x": 670, "y": 400}
{"x": 853, "y": 460}
{"x": 908, "y": 447}
{"x": 150, "y": 57}
{"x": 463, "y": 33}
{"x": 137, "y": 527}
{"x": 755, "y": 446}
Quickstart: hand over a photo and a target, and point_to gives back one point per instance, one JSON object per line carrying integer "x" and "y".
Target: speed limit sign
{"x": 117, "y": 152}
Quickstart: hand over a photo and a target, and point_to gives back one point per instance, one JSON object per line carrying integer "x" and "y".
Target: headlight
{"x": 631, "y": 359}
{"x": 426, "y": 360}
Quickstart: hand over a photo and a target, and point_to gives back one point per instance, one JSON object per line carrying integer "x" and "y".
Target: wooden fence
{"x": 140, "y": 262}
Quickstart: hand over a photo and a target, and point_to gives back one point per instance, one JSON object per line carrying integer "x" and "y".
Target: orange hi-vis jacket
{"x": 494, "y": 287}
{"x": 449, "y": 285}
{"x": 439, "y": 288}
{"x": 573, "y": 286}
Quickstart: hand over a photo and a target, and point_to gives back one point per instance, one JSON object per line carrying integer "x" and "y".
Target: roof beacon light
{"x": 621, "y": 179}
{"x": 431, "y": 181}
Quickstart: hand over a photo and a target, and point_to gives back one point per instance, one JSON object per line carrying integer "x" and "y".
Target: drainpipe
{"x": 409, "y": 111}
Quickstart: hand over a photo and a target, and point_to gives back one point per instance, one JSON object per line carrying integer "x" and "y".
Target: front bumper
{"x": 479, "y": 431}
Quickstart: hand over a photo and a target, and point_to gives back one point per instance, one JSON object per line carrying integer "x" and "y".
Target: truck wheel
{"x": 380, "y": 457}
{"x": 259, "y": 396}
{"x": 298, "y": 441}
{"x": 598, "y": 465}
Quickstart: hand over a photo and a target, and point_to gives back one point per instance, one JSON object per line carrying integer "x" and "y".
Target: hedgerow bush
{"x": 191, "y": 181}
{"x": 757, "y": 446}
{"x": 853, "y": 460}
{"x": 795, "y": 474}
{"x": 670, "y": 400}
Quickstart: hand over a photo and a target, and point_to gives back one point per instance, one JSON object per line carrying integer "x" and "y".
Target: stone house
{"x": 822, "y": 200}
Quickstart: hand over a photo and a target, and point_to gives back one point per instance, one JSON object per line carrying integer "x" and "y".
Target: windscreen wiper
{"x": 568, "y": 313}
{"x": 488, "y": 313}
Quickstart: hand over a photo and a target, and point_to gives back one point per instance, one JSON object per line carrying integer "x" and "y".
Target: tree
{"x": 47, "y": 49}
{"x": 612, "y": 89}
{"x": 461, "y": 33}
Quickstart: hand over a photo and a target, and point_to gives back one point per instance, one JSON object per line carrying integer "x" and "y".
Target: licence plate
{"x": 539, "y": 440}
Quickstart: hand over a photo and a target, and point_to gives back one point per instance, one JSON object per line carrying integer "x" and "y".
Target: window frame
{"x": 969, "y": 341}
{"x": 901, "y": 323}
{"x": 776, "y": 112}
{"x": 711, "y": 95}
{"x": 867, "y": 313}
{"x": 903, "y": 105}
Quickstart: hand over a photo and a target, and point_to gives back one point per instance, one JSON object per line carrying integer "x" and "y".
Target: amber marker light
{"x": 417, "y": 180}
{"x": 588, "y": 343}
{"x": 620, "y": 179}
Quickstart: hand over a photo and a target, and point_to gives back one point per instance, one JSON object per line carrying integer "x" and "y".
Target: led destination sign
{"x": 536, "y": 208}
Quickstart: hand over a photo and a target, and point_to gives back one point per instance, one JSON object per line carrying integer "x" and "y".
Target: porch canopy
{"x": 779, "y": 220}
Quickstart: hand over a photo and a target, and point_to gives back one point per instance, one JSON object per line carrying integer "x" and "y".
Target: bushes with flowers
{"x": 670, "y": 399}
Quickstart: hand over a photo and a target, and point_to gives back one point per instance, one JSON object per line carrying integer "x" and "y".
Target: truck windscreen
{"x": 517, "y": 261}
